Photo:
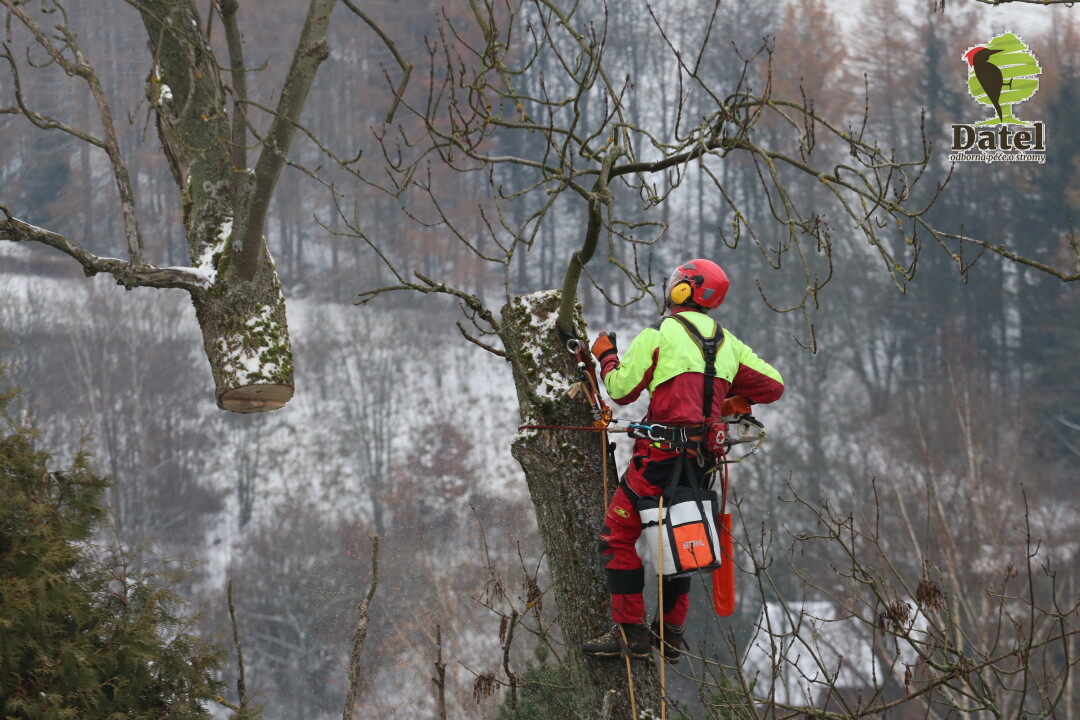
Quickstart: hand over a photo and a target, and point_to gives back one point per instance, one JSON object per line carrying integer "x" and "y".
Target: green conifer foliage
{"x": 82, "y": 633}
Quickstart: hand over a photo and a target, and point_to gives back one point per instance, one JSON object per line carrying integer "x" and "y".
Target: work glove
{"x": 604, "y": 346}
{"x": 734, "y": 406}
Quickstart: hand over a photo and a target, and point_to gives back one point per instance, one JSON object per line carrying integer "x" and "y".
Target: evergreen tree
{"x": 83, "y": 633}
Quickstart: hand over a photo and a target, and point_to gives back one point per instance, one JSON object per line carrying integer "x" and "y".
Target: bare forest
{"x": 295, "y": 274}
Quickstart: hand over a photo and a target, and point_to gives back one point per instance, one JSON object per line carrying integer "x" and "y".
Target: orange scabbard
{"x": 723, "y": 578}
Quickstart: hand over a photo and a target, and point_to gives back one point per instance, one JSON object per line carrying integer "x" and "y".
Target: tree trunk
{"x": 563, "y": 469}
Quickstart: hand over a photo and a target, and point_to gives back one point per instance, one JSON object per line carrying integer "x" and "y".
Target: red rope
{"x": 594, "y": 428}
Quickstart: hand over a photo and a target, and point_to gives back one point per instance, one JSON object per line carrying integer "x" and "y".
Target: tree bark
{"x": 563, "y": 469}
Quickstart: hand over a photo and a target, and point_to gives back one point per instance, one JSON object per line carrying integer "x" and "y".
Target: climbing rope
{"x": 629, "y": 673}
{"x": 604, "y": 467}
{"x": 622, "y": 631}
{"x": 660, "y": 602}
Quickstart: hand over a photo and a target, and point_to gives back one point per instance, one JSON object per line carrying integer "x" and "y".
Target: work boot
{"x": 611, "y": 643}
{"x": 674, "y": 642}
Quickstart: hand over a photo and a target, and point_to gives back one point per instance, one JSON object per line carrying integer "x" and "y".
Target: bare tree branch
{"x": 361, "y": 632}
{"x": 600, "y": 198}
{"x": 406, "y": 67}
{"x": 241, "y": 684}
{"x": 42, "y": 121}
{"x": 311, "y": 50}
{"x": 80, "y": 67}
{"x": 439, "y": 681}
{"x": 125, "y": 273}
{"x": 228, "y": 10}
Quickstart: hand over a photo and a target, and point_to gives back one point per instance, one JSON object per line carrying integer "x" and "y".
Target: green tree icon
{"x": 1002, "y": 73}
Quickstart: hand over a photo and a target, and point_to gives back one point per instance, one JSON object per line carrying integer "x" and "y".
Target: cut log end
{"x": 255, "y": 398}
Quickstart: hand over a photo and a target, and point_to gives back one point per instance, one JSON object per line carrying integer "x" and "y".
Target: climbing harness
{"x": 684, "y": 438}
{"x": 688, "y": 527}
{"x": 709, "y": 346}
{"x": 749, "y": 430}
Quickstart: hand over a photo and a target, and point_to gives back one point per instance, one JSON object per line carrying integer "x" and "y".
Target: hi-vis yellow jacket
{"x": 667, "y": 361}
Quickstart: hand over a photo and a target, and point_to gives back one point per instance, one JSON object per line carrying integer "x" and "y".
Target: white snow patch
{"x": 225, "y": 232}
{"x": 164, "y": 92}
{"x": 203, "y": 278}
{"x": 204, "y": 264}
{"x": 556, "y": 384}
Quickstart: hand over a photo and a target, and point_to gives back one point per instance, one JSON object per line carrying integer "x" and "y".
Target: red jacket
{"x": 665, "y": 359}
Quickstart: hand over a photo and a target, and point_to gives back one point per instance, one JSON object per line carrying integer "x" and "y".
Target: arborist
{"x": 667, "y": 359}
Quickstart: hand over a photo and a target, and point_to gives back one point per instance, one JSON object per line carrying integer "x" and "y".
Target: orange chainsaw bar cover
{"x": 723, "y": 578}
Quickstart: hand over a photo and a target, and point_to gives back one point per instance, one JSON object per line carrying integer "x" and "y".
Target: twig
{"x": 440, "y": 674}
{"x": 361, "y": 632}
{"x": 406, "y": 67}
{"x": 241, "y": 684}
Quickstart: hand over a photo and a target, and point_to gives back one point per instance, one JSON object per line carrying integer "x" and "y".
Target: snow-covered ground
{"x": 374, "y": 386}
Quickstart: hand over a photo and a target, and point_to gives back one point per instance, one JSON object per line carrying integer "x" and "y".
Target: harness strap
{"x": 709, "y": 346}
{"x": 673, "y": 481}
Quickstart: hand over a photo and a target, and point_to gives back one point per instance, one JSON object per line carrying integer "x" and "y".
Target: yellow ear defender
{"x": 681, "y": 292}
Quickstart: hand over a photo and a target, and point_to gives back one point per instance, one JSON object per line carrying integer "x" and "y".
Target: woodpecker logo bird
{"x": 988, "y": 74}
{"x": 1003, "y": 73}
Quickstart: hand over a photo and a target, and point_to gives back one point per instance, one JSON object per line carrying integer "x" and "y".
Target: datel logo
{"x": 1001, "y": 74}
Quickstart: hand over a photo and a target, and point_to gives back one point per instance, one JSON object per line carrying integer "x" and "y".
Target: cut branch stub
{"x": 246, "y": 338}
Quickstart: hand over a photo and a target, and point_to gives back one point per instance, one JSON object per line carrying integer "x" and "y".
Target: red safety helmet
{"x": 701, "y": 282}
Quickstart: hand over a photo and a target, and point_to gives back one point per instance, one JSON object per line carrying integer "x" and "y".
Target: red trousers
{"x": 648, "y": 474}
